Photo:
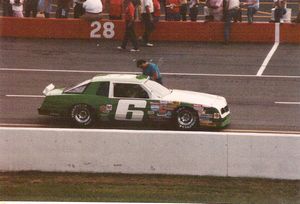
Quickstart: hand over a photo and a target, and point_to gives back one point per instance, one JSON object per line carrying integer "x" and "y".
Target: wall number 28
{"x": 108, "y": 30}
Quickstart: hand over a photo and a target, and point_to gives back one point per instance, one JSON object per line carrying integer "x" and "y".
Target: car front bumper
{"x": 220, "y": 123}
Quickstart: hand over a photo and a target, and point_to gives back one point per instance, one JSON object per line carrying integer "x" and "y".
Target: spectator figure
{"x": 31, "y": 8}
{"x": 150, "y": 69}
{"x": 7, "y": 8}
{"x": 45, "y": 8}
{"x": 115, "y": 9}
{"x": 213, "y": 10}
{"x": 252, "y": 8}
{"x": 78, "y": 9}
{"x": 17, "y": 8}
{"x": 183, "y": 9}
{"x": 129, "y": 27}
{"x": 63, "y": 7}
{"x": 280, "y": 9}
{"x": 156, "y": 13}
{"x": 193, "y": 5}
{"x": 147, "y": 9}
{"x": 93, "y": 10}
{"x": 297, "y": 19}
{"x": 232, "y": 11}
{"x": 173, "y": 10}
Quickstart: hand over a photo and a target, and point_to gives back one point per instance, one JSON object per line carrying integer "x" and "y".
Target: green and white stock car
{"x": 123, "y": 97}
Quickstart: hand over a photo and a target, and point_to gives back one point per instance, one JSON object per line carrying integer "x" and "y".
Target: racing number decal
{"x": 123, "y": 110}
{"x": 108, "y": 30}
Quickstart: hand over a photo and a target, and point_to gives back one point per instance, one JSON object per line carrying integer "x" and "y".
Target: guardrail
{"x": 165, "y": 31}
{"x": 150, "y": 152}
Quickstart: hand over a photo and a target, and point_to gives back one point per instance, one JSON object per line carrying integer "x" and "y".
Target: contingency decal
{"x": 204, "y": 118}
{"x": 104, "y": 111}
{"x": 162, "y": 110}
{"x": 105, "y": 108}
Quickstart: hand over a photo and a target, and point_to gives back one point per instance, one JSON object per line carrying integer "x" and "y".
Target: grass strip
{"x": 95, "y": 187}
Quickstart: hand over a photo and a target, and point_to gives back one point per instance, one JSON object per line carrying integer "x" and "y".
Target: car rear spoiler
{"x": 48, "y": 88}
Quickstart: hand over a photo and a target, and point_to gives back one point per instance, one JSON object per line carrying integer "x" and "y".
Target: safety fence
{"x": 165, "y": 31}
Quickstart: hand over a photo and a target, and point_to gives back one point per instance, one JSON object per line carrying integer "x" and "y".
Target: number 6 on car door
{"x": 123, "y": 112}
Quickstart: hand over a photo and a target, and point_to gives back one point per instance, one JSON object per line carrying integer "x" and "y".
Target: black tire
{"x": 82, "y": 115}
{"x": 186, "y": 118}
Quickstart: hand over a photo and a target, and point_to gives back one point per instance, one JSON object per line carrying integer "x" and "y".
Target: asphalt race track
{"x": 270, "y": 102}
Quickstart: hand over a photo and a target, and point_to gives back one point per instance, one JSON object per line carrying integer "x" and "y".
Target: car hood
{"x": 55, "y": 92}
{"x": 50, "y": 90}
{"x": 207, "y": 100}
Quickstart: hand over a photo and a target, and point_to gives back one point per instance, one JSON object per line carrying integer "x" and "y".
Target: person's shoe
{"x": 134, "y": 50}
{"x": 121, "y": 48}
{"x": 149, "y": 44}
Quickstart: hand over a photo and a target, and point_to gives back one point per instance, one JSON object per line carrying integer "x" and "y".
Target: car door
{"x": 129, "y": 101}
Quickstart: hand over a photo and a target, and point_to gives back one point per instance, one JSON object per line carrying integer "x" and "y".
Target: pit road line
{"x": 163, "y": 73}
{"x": 272, "y": 51}
{"x": 287, "y": 103}
{"x": 26, "y": 96}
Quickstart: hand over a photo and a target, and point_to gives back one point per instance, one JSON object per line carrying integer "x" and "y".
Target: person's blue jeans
{"x": 230, "y": 14}
{"x": 173, "y": 17}
{"x": 250, "y": 13}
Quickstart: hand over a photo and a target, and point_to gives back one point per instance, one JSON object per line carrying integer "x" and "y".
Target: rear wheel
{"x": 186, "y": 118}
{"x": 82, "y": 115}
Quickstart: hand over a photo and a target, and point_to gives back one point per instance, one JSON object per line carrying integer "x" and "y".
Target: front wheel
{"x": 186, "y": 118}
{"x": 82, "y": 115}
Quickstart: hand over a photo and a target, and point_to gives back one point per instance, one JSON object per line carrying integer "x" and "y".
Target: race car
{"x": 126, "y": 97}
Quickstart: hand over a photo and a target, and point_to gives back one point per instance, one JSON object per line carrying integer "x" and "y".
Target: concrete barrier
{"x": 150, "y": 152}
{"x": 165, "y": 31}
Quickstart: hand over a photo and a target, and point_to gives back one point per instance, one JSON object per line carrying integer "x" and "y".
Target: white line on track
{"x": 287, "y": 103}
{"x": 20, "y": 125}
{"x": 26, "y": 96}
{"x": 267, "y": 60}
{"x": 163, "y": 73}
{"x": 272, "y": 51}
{"x": 260, "y": 131}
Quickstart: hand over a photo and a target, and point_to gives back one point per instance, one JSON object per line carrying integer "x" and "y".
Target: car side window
{"x": 103, "y": 89}
{"x": 129, "y": 91}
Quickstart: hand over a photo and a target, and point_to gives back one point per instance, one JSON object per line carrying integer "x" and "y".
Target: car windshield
{"x": 157, "y": 89}
{"x": 78, "y": 88}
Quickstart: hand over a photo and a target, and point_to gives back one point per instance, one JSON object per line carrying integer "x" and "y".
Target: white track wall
{"x": 150, "y": 152}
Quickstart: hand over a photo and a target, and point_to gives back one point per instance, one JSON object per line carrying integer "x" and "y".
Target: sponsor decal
{"x": 205, "y": 116}
{"x": 105, "y": 108}
{"x": 208, "y": 123}
{"x": 102, "y": 109}
{"x": 151, "y": 112}
{"x": 198, "y": 107}
{"x": 109, "y": 107}
{"x": 154, "y": 107}
{"x": 162, "y": 110}
{"x": 168, "y": 114}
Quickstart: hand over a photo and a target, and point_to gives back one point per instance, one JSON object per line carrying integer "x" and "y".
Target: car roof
{"x": 123, "y": 78}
